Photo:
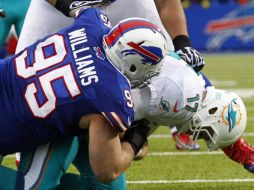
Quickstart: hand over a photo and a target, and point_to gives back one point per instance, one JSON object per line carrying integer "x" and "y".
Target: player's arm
{"x": 109, "y": 156}
{"x": 173, "y": 18}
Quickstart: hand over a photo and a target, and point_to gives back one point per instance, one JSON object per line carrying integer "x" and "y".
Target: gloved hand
{"x": 187, "y": 53}
{"x": 69, "y": 7}
{"x": 137, "y": 135}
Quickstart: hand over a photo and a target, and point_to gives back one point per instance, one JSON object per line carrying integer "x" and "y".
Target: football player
{"x": 173, "y": 19}
{"x": 189, "y": 86}
{"x": 156, "y": 102}
{"x": 42, "y": 19}
{"x": 63, "y": 84}
{"x": 49, "y": 12}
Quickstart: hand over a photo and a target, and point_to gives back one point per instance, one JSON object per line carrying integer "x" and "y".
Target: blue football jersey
{"x": 49, "y": 86}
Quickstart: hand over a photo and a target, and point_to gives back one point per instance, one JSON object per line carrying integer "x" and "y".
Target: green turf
{"x": 238, "y": 69}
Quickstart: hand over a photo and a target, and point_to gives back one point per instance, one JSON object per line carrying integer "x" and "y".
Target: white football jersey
{"x": 173, "y": 96}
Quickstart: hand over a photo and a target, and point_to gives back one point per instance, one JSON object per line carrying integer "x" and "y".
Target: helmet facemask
{"x": 220, "y": 121}
{"x": 199, "y": 130}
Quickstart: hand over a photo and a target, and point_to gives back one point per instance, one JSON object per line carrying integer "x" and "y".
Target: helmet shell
{"x": 136, "y": 47}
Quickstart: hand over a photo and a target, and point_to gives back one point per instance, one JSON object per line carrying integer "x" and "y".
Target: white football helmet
{"x": 136, "y": 46}
{"x": 221, "y": 120}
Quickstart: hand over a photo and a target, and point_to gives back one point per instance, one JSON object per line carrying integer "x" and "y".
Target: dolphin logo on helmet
{"x": 231, "y": 118}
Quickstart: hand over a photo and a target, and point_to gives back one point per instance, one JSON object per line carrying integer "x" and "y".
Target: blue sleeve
{"x": 120, "y": 121}
{"x": 207, "y": 81}
{"x": 117, "y": 106}
{"x": 118, "y": 113}
{"x": 95, "y": 18}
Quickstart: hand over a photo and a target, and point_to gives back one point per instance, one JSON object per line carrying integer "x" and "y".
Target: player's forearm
{"x": 108, "y": 156}
{"x": 112, "y": 163}
{"x": 172, "y": 16}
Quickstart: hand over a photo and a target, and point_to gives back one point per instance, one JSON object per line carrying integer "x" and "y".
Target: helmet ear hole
{"x": 212, "y": 111}
{"x": 133, "y": 68}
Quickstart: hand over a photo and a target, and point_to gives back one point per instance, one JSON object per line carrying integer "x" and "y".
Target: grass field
{"x": 166, "y": 168}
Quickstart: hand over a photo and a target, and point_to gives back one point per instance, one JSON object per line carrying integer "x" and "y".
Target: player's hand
{"x": 192, "y": 57}
{"x": 187, "y": 53}
{"x": 137, "y": 136}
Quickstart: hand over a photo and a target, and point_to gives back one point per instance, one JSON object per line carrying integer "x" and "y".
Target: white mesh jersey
{"x": 172, "y": 97}
{"x": 42, "y": 19}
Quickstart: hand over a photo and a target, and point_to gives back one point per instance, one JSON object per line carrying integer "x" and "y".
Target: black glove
{"x": 137, "y": 136}
{"x": 187, "y": 53}
{"x": 69, "y": 7}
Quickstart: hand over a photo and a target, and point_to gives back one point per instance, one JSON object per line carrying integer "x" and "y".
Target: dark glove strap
{"x": 135, "y": 140}
{"x": 181, "y": 41}
{"x": 137, "y": 135}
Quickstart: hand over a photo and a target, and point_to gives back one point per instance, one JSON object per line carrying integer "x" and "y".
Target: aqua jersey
{"x": 49, "y": 86}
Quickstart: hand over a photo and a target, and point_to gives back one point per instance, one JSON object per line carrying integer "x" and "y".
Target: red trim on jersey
{"x": 119, "y": 121}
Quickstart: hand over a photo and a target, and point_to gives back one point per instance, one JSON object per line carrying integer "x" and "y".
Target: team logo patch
{"x": 231, "y": 115}
{"x": 99, "y": 53}
{"x": 164, "y": 104}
